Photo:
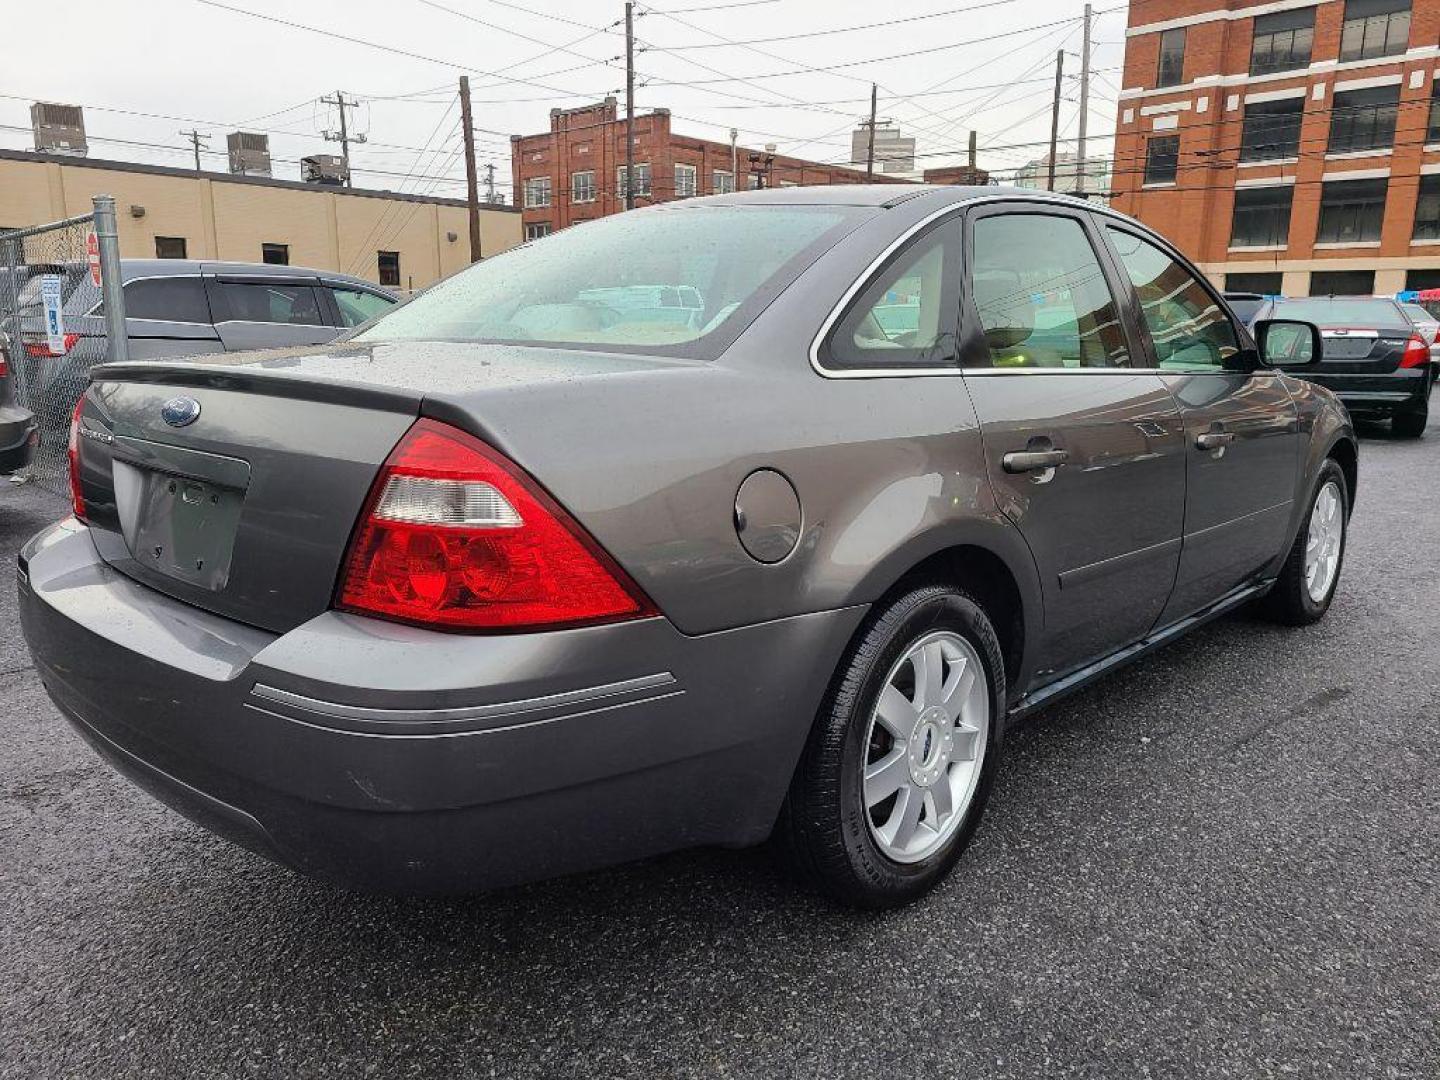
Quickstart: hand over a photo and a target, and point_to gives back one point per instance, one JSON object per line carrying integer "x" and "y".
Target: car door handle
{"x": 1214, "y": 440}
{"x": 1022, "y": 461}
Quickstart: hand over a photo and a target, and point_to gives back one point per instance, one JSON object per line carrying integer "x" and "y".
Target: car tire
{"x": 827, "y": 826}
{"x": 1410, "y": 425}
{"x": 1293, "y": 601}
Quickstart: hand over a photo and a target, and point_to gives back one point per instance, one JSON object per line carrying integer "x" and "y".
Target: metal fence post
{"x": 111, "y": 286}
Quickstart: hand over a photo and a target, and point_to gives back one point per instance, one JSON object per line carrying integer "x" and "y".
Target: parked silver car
{"x": 454, "y": 604}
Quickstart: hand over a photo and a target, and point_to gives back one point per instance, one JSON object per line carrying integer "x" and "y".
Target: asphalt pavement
{"x": 1223, "y": 861}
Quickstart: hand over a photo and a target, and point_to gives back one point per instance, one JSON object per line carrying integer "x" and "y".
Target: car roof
{"x": 131, "y": 269}
{"x": 881, "y": 196}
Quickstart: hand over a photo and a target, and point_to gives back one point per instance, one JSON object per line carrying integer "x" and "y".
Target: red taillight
{"x": 72, "y": 458}
{"x": 40, "y": 349}
{"x": 455, "y": 536}
{"x": 1417, "y": 353}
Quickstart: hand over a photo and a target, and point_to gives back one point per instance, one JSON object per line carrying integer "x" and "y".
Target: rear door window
{"x": 174, "y": 299}
{"x": 1041, "y": 295}
{"x": 1188, "y": 326}
{"x": 294, "y": 305}
{"x": 357, "y": 306}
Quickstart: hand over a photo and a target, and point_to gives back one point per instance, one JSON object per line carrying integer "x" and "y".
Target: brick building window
{"x": 1282, "y": 41}
{"x": 1162, "y": 159}
{"x": 275, "y": 254}
{"x": 1364, "y": 119}
{"x": 1374, "y": 28}
{"x": 642, "y": 179}
{"x": 582, "y": 186}
{"x": 388, "y": 263}
{"x": 536, "y": 229}
{"x": 1266, "y": 283}
{"x": 1271, "y": 129}
{"x": 722, "y": 182}
{"x": 1342, "y": 283}
{"x": 1432, "y": 130}
{"x": 537, "y": 191}
{"x": 1262, "y": 216}
{"x": 1170, "y": 71}
{"x": 1427, "y": 208}
{"x": 170, "y": 247}
{"x": 1351, "y": 211}
{"x": 684, "y": 181}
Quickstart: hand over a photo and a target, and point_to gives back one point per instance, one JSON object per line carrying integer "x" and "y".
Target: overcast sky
{"x": 982, "y": 64}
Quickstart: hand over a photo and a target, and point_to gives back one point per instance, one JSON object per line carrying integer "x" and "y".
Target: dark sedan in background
{"x": 19, "y": 431}
{"x": 1375, "y": 360}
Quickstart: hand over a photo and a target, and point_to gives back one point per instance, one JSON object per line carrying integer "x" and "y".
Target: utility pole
{"x": 870, "y": 148}
{"x": 1055, "y": 116}
{"x": 734, "y": 160}
{"x": 490, "y": 183}
{"x": 629, "y": 104}
{"x": 472, "y": 181}
{"x": 195, "y": 140}
{"x": 1084, "y": 106}
{"x": 343, "y": 136}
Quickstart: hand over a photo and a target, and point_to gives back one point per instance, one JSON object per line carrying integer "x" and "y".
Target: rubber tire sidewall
{"x": 826, "y": 816}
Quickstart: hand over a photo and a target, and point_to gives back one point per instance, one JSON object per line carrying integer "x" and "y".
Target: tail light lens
{"x": 72, "y": 459}
{"x": 455, "y": 536}
{"x": 40, "y": 349}
{"x": 1417, "y": 353}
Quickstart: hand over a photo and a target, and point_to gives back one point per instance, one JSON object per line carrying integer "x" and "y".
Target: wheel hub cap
{"x": 1324, "y": 542}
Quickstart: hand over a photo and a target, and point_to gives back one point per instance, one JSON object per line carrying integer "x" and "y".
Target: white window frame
{"x": 532, "y": 230}
{"x": 717, "y": 187}
{"x": 642, "y": 170}
{"x": 688, "y": 188}
{"x": 538, "y": 191}
{"x": 575, "y": 189}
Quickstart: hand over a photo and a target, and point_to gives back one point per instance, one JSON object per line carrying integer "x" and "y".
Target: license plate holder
{"x": 186, "y": 528}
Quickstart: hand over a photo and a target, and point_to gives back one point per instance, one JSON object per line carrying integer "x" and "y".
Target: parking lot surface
{"x": 1223, "y": 861}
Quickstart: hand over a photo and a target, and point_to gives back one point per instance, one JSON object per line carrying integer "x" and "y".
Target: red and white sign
{"x": 92, "y": 256}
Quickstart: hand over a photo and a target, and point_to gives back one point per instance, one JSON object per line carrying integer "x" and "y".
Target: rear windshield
{"x": 1417, "y": 313}
{"x": 681, "y": 281}
{"x": 1359, "y": 313}
{"x": 1246, "y": 308}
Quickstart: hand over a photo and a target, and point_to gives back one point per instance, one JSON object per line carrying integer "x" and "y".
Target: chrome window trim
{"x": 866, "y": 275}
{"x": 125, "y": 283}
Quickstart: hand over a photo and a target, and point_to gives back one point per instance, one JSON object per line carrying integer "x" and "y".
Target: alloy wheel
{"x": 925, "y": 746}
{"x": 1323, "y": 542}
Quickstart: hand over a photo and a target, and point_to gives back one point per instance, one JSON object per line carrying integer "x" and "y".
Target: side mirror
{"x": 1288, "y": 343}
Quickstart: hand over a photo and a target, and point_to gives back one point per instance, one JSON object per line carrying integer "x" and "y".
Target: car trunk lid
{"x": 246, "y": 507}
{"x": 1355, "y": 350}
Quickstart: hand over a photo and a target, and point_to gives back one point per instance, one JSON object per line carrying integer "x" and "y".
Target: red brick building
{"x": 1286, "y": 146}
{"x": 576, "y": 170}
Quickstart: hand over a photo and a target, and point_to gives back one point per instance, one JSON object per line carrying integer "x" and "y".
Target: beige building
{"x": 405, "y": 241}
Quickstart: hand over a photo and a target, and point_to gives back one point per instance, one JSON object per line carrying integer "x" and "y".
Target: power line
{"x": 834, "y": 30}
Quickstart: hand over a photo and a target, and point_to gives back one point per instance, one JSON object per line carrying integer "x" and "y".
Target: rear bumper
{"x": 19, "y": 435}
{"x": 401, "y": 760}
{"x": 1404, "y": 390}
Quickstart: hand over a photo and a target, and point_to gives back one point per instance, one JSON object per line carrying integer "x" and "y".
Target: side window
{"x": 178, "y": 299}
{"x": 357, "y": 306}
{"x": 1041, "y": 294}
{"x": 1187, "y": 324}
{"x": 295, "y": 305}
{"x": 905, "y": 317}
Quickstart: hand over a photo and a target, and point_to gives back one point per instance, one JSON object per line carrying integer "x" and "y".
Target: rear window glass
{"x": 180, "y": 299}
{"x": 1245, "y": 309}
{"x": 682, "y": 282}
{"x": 294, "y": 305}
{"x": 1417, "y": 313}
{"x": 1341, "y": 311}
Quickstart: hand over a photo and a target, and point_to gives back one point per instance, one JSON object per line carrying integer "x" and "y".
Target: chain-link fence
{"x": 51, "y": 310}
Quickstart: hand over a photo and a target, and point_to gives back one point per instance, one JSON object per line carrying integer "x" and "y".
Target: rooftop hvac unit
{"x": 323, "y": 169}
{"x": 59, "y": 129}
{"x": 249, "y": 153}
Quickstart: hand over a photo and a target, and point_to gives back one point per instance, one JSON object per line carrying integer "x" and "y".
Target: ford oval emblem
{"x": 179, "y": 411}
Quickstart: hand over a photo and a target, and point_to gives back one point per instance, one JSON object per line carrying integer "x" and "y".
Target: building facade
{"x": 576, "y": 171}
{"x": 894, "y": 152}
{"x": 1290, "y": 146}
{"x": 1036, "y": 175}
{"x": 403, "y": 241}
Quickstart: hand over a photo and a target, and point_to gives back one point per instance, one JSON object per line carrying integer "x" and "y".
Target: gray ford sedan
{"x": 540, "y": 572}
